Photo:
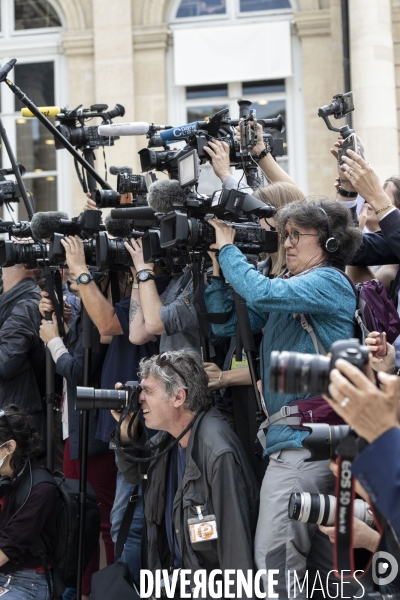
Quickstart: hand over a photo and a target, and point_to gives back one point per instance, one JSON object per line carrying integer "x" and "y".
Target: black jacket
{"x": 22, "y": 355}
{"x": 383, "y": 248}
{"x": 70, "y": 366}
{"x": 217, "y": 476}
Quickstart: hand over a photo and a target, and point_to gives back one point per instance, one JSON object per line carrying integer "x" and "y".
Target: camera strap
{"x": 344, "y": 559}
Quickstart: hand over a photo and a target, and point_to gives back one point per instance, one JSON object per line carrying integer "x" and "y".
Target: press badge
{"x": 202, "y": 530}
{"x": 3, "y": 591}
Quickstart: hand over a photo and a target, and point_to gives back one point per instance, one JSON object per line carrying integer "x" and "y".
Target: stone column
{"x": 373, "y": 83}
{"x": 320, "y": 35}
{"x": 114, "y": 73}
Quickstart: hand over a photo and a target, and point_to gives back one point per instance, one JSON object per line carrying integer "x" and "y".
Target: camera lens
{"x": 107, "y": 198}
{"x": 318, "y": 509}
{"x": 295, "y": 373}
{"x": 91, "y": 399}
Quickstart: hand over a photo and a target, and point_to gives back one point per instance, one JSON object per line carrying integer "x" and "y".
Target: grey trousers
{"x": 287, "y": 545}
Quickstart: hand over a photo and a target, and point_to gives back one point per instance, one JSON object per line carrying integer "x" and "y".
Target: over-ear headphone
{"x": 331, "y": 244}
{"x": 7, "y": 484}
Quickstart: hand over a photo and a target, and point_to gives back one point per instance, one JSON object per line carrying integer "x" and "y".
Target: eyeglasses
{"x": 295, "y": 237}
{"x": 165, "y": 359}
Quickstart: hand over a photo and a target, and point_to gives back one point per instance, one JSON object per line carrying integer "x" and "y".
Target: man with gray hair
{"x": 197, "y": 471}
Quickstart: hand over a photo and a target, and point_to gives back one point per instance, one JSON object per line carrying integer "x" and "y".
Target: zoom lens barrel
{"x": 319, "y": 509}
{"x": 88, "y": 398}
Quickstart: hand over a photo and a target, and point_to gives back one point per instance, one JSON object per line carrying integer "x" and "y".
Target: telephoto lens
{"x": 319, "y": 509}
{"x": 87, "y": 398}
{"x": 296, "y": 373}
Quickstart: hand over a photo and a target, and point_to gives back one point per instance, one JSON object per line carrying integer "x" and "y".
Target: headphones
{"x": 331, "y": 244}
{"x": 7, "y": 484}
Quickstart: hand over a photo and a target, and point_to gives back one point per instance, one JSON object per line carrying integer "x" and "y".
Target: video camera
{"x": 198, "y": 134}
{"x": 80, "y": 135}
{"x": 88, "y": 398}
{"x": 10, "y": 190}
{"x": 127, "y": 183}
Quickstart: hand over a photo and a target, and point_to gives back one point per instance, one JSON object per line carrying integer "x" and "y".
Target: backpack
{"x": 375, "y": 310}
{"x": 64, "y": 561}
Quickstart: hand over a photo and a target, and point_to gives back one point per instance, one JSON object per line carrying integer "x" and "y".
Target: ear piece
{"x": 331, "y": 244}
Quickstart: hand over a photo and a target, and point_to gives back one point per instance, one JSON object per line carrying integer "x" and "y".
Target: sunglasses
{"x": 165, "y": 360}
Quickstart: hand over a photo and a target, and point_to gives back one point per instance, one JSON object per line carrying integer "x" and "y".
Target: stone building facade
{"x": 280, "y": 54}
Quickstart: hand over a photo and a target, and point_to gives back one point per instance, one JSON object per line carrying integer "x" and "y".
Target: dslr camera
{"x": 296, "y": 373}
{"x": 88, "y": 398}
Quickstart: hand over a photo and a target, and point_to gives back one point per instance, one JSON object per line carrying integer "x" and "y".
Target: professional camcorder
{"x": 10, "y": 190}
{"x": 297, "y": 373}
{"x": 88, "y": 398}
{"x": 80, "y": 135}
{"x": 198, "y": 134}
{"x": 319, "y": 509}
{"x": 29, "y": 254}
{"x": 127, "y": 184}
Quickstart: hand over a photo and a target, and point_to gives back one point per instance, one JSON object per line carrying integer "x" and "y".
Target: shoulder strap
{"x": 306, "y": 325}
{"x": 38, "y": 476}
{"x": 126, "y": 523}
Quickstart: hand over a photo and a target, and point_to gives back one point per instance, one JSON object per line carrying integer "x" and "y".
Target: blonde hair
{"x": 279, "y": 194}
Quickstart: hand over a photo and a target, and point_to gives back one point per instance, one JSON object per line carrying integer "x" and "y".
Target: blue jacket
{"x": 323, "y": 294}
{"x": 378, "y": 470}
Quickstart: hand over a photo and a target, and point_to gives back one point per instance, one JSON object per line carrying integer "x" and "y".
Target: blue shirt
{"x": 122, "y": 359}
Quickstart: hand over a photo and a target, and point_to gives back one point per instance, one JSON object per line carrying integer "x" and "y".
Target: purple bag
{"x": 315, "y": 410}
{"x": 375, "y": 310}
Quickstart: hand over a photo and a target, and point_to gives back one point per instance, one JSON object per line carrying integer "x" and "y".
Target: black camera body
{"x": 88, "y": 398}
{"x": 296, "y": 373}
{"x": 10, "y": 190}
{"x": 220, "y": 127}
{"x": 80, "y": 135}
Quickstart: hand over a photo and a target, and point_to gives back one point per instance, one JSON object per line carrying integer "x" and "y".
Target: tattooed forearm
{"x": 133, "y": 308}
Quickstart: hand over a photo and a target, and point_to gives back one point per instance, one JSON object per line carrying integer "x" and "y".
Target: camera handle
{"x": 16, "y": 171}
{"x": 245, "y": 340}
{"x": 57, "y": 134}
{"x": 87, "y": 344}
{"x": 89, "y": 155}
{"x": 344, "y": 131}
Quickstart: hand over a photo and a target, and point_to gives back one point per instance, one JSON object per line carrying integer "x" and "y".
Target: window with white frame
{"x": 30, "y": 32}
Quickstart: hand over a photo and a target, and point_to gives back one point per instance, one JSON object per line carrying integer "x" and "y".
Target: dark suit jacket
{"x": 378, "y": 470}
{"x": 383, "y": 248}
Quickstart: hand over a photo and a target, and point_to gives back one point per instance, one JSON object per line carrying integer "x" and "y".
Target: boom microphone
{"x": 179, "y": 133}
{"x": 117, "y": 129}
{"x": 47, "y": 111}
{"x": 120, "y": 228}
{"x": 5, "y": 69}
{"x": 138, "y": 128}
{"x": 137, "y": 213}
{"x": 44, "y": 224}
{"x": 165, "y": 195}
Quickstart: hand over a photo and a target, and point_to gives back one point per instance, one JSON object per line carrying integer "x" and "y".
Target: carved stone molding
{"x": 153, "y": 37}
{"x": 313, "y": 22}
{"x": 77, "y": 42}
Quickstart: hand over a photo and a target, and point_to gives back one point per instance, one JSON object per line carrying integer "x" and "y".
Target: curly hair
{"x": 340, "y": 226}
{"x": 17, "y": 426}
{"x": 190, "y": 365}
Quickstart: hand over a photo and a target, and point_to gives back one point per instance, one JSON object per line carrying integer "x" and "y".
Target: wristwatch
{"x": 145, "y": 276}
{"x": 84, "y": 278}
